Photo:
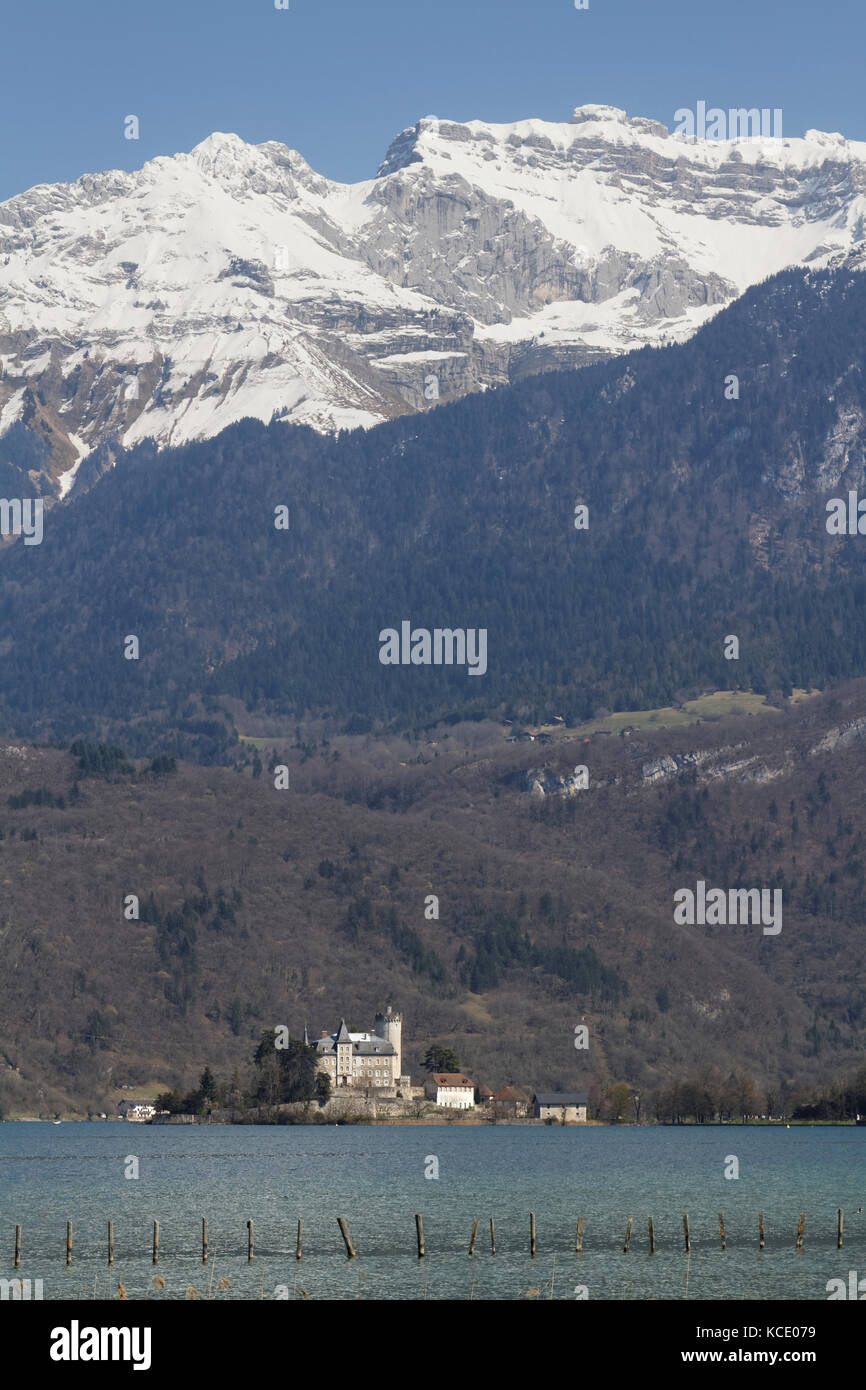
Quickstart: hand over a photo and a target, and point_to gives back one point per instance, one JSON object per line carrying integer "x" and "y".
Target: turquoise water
{"x": 375, "y": 1178}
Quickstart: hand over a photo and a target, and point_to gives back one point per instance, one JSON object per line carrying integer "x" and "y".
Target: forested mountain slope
{"x": 706, "y": 517}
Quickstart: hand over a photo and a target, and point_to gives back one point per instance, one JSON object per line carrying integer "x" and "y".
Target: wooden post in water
{"x": 532, "y": 1234}
{"x": 474, "y": 1234}
{"x": 722, "y": 1230}
{"x": 344, "y": 1231}
{"x": 156, "y": 1242}
{"x": 686, "y": 1234}
{"x": 492, "y": 1237}
{"x": 300, "y": 1234}
{"x": 652, "y": 1236}
{"x": 800, "y": 1227}
{"x": 249, "y": 1242}
{"x": 17, "y": 1246}
{"x": 111, "y": 1242}
{"x": 628, "y": 1235}
{"x": 204, "y": 1240}
{"x": 760, "y": 1230}
{"x": 69, "y": 1242}
{"x": 838, "y": 1230}
{"x": 419, "y": 1232}
{"x": 578, "y": 1248}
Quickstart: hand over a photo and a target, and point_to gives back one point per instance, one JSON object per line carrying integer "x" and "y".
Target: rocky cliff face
{"x": 852, "y": 732}
{"x": 235, "y": 281}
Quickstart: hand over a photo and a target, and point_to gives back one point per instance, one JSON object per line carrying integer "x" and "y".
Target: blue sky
{"x": 338, "y": 79}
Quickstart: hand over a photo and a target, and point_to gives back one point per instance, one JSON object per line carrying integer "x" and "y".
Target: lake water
{"x": 375, "y": 1178}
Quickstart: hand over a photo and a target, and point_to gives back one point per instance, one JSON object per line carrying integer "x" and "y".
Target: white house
{"x": 136, "y": 1110}
{"x": 452, "y": 1089}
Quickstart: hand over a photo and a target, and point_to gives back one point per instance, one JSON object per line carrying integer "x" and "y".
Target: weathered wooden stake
{"x": 111, "y": 1242}
{"x": 628, "y": 1235}
{"x": 204, "y": 1240}
{"x": 69, "y": 1242}
{"x": 839, "y": 1230}
{"x": 800, "y": 1227}
{"x": 474, "y": 1234}
{"x": 419, "y": 1232}
{"x": 344, "y": 1231}
{"x": 652, "y": 1236}
{"x": 492, "y": 1237}
{"x": 156, "y": 1242}
{"x": 760, "y": 1230}
{"x": 300, "y": 1234}
{"x": 532, "y": 1234}
{"x": 579, "y": 1243}
{"x": 686, "y": 1234}
{"x": 17, "y": 1246}
{"x": 249, "y": 1241}
{"x": 722, "y": 1230}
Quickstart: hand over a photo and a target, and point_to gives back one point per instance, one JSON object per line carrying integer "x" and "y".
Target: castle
{"x": 364, "y": 1059}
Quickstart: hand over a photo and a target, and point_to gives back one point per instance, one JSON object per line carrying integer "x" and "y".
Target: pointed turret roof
{"x": 343, "y": 1032}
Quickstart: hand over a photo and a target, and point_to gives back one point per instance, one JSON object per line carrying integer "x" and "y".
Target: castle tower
{"x": 390, "y": 1027}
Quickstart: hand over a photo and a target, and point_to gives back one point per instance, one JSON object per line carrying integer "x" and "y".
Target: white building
{"x": 136, "y": 1110}
{"x": 451, "y": 1089}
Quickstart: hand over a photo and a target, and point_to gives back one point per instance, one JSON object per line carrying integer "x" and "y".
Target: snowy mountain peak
{"x": 594, "y": 112}
{"x": 220, "y": 148}
{"x": 613, "y": 116}
{"x": 828, "y": 138}
{"x": 609, "y": 115}
{"x": 219, "y": 140}
{"x": 232, "y": 162}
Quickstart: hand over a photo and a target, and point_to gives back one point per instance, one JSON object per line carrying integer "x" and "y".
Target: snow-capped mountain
{"x": 235, "y": 281}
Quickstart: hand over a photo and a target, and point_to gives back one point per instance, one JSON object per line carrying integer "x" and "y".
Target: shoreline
{"x": 433, "y": 1121}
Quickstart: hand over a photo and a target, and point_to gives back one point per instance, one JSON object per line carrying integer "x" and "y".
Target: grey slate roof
{"x": 376, "y": 1047}
{"x": 560, "y": 1098}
